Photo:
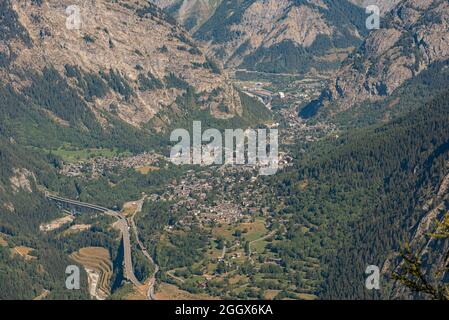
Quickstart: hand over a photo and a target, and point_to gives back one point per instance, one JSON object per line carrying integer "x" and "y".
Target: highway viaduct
{"x": 122, "y": 224}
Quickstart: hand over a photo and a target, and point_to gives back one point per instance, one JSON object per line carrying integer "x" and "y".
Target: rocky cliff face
{"x": 190, "y": 13}
{"x": 283, "y": 35}
{"x": 432, "y": 250}
{"x": 412, "y": 36}
{"x": 122, "y": 57}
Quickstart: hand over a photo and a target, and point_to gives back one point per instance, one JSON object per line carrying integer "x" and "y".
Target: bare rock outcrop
{"x": 133, "y": 39}
{"x": 22, "y": 179}
{"x": 412, "y": 36}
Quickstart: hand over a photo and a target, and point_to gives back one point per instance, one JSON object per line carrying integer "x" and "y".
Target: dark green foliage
{"x": 91, "y": 84}
{"x": 52, "y": 92}
{"x": 88, "y": 38}
{"x": 365, "y": 191}
{"x": 217, "y": 28}
{"x": 22, "y": 115}
{"x": 286, "y": 57}
{"x": 420, "y": 89}
{"x": 254, "y": 114}
{"x": 183, "y": 249}
{"x": 149, "y": 82}
{"x": 150, "y": 10}
{"x": 117, "y": 83}
{"x": 22, "y": 279}
{"x": 312, "y": 108}
{"x": 209, "y": 64}
{"x": 195, "y": 51}
{"x": 172, "y": 81}
{"x": 212, "y": 65}
{"x": 163, "y": 49}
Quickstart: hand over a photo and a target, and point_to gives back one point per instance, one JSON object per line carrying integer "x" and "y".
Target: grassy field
{"x": 72, "y": 154}
{"x": 250, "y": 230}
{"x": 271, "y": 294}
{"x": 259, "y": 246}
{"x": 305, "y": 296}
{"x": 167, "y": 291}
{"x": 98, "y": 260}
{"x": 253, "y": 230}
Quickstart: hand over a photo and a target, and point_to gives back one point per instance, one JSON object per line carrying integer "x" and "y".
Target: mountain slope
{"x": 190, "y": 13}
{"x": 363, "y": 195}
{"x": 414, "y": 35}
{"x": 128, "y": 58}
{"x": 283, "y": 36}
{"x": 127, "y": 73}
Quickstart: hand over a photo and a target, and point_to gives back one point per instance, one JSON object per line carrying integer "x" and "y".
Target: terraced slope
{"x": 98, "y": 265}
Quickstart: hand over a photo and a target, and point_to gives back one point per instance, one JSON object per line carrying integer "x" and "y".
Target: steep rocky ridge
{"x": 413, "y": 35}
{"x": 190, "y": 13}
{"x": 283, "y": 35}
{"x": 432, "y": 251}
{"x": 128, "y": 57}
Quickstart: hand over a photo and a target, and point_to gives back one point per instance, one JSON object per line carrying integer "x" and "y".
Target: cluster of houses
{"x": 96, "y": 166}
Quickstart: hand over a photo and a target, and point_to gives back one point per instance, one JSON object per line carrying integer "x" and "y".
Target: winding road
{"x": 124, "y": 227}
{"x": 272, "y": 233}
{"x": 150, "y": 293}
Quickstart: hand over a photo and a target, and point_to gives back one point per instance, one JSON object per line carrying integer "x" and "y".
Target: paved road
{"x": 272, "y": 233}
{"x": 76, "y": 203}
{"x": 122, "y": 225}
{"x": 150, "y": 293}
{"x": 170, "y": 274}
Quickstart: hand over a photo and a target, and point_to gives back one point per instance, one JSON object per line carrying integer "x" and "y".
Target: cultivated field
{"x": 97, "y": 263}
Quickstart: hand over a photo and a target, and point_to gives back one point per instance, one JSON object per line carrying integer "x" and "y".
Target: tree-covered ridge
{"x": 364, "y": 192}
{"x": 23, "y": 209}
{"x": 68, "y": 118}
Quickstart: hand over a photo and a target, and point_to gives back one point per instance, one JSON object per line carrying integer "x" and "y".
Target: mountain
{"x": 190, "y": 13}
{"x": 128, "y": 59}
{"x": 289, "y": 36}
{"x": 86, "y": 110}
{"x": 367, "y": 193}
{"x": 193, "y": 13}
{"x": 114, "y": 85}
{"x": 414, "y": 35}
